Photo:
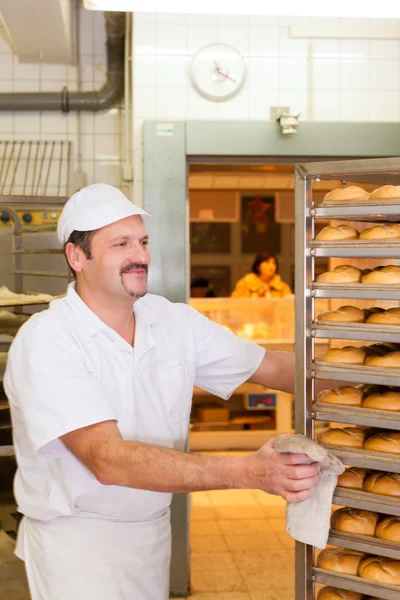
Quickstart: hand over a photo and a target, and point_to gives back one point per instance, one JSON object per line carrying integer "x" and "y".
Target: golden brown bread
{"x": 387, "y": 317}
{"x": 389, "y": 400}
{"x": 344, "y": 396}
{"x": 352, "y": 192}
{"x": 384, "y": 484}
{"x": 341, "y": 274}
{"x": 386, "y": 275}
{"x": 341, "y": 232}
{"x": 385, "y": 441}
{"x": 383, "y": 570}
{"x": 331, "y": 593}
{"x": 353, "y": 478}
{"x": 381, "y": 232}
{"x": 352, "y": 520}
{"x": 346, "y": 437}
{"x": 386, "y": 192}
{"x": 389, "y": 529}
{"x": 344, "y": 314}
{"x": 391, "y": 360}
{"x": 340, "y": 560}
{"x": 348, "y": 355}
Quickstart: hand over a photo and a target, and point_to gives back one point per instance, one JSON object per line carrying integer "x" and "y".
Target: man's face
{"x": 120, "y": 259}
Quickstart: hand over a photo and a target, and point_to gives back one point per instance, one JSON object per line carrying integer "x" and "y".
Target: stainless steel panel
{"x": 371, "y": 251}
{"x": 366, "y": 501}
{"x": 388, "y": 167}
{"x": 358, "y": 375}
{"x": 376, "y": 461}
{"x": 362, "y": 332}
{"x": 364, "y": 543}
{"x": 361, "y": 293}
{"x": 357, "y": 584}
{"x": 357, "y": 416}
{"x": 369, "y": 213}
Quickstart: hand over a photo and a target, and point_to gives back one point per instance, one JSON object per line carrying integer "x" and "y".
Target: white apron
{"x": 76, "y": 558}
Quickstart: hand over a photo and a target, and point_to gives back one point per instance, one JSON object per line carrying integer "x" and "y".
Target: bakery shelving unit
{"x": 308, "y": 369}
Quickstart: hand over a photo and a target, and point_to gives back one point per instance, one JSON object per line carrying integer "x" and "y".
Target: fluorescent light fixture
{"x": 385, "y": 9}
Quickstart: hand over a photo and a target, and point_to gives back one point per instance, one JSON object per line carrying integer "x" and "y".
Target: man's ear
{"x": 74, "y": 257}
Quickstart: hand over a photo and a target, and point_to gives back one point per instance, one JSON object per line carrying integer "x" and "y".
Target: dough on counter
{"x": 344, "y": 314}
{"x": 386, "y": 192}
{"x": 383, "y": 570}
{"x": 345, "y": 437}
{"x": 385, "y": 484}
{"x": 340, "y": 560}
{"x": 341, "y": 274}
{"x": 352, "y": 520}
{"x": 385, "y": 441}
{"x": 340, "y": 232}
{"x": 343, "y": 396}
{"x": 381, "y": 232}
{"x": 352, "y": 192}
{"x": 386, "y": 275}
{"x": 353, "y": 478}
{"x": 348, "y": 355}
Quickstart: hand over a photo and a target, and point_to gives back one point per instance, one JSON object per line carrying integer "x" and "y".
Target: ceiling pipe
{"x": 95, "y": 100}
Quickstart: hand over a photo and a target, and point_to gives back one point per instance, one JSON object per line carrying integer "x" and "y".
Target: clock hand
{"x": 216, "y": 65}
{"x": 227, "y": 77}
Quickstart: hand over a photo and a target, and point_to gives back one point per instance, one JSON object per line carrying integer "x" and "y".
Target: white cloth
{"x": 95, "y": 206}
{"x": 309, "y": 521}
{"x": 80, "y": 559}
{"x": 67, "y": 369}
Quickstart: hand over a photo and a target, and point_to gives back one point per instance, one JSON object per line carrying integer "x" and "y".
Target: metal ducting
{"x": 67, "y": 101}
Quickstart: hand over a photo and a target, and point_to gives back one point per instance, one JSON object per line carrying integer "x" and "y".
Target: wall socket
{"x": 277, "y": 111}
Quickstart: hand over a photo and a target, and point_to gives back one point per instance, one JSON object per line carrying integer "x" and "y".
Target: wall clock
{"x": 218, "y": 72}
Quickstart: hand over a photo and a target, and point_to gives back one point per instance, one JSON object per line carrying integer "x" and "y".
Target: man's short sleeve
{"x": 51, "y": 389}
{"x": 222, "y": 360}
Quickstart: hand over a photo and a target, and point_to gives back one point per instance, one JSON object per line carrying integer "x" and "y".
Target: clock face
{"x": 218, "y": 72}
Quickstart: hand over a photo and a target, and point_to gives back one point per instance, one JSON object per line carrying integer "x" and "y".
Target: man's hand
{"x": 288, "y": 475}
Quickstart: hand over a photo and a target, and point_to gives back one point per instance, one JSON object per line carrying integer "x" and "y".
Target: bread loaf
{"x": 340, "y": 560}
{"x": 384, "y": 484}
{"x": 352, "y": 520}
{"x": 348, "y": 355}
{"x": 341, "y": 274}
{"x": 389, "y": 529}
{"x": 353, "y": 478}
{"x": 385, "y": 275}
{"x": 331, "y": 593}
{"x": 386, "y": 441}
{"x": 344, "y": 396}
{"x": 387, "y": 317}
{"x": 381, "y": 232}
{"x": 352, "y": 192}
{"x": 387, "y": 361}
{"x": 383, "y": 570}
{"x": 389, "y": 400}
{"x": 341, "y": 232}
{"x": 346, "y": 437}
{"x": 344, "y": 314}
{"x": 386, "y": 192}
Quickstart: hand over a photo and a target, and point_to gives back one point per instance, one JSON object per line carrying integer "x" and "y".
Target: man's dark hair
{"x": 262, "y": 257}
{"x": 82, "y": 239}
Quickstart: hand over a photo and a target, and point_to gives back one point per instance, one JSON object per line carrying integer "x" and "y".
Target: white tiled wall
{"x": 102, "y": 133}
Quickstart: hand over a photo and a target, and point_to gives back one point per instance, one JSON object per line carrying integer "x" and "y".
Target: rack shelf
{"x": 356, "y": 292}
{"x": 356, "y": 584}
{"x": 357, "y": 375}
{"x": 375, "y": 461}
{"x": 360, "y": 332}
{"x": 356, "y": 250}
{"x": 366, "y": 501}
{"x": 356, "y": 416}
{"x": 364, "y": 543}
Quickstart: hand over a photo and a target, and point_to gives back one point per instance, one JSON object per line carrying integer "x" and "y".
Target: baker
{"x": 100, "y": 388}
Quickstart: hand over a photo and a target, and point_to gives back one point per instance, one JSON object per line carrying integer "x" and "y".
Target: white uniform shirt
{"x": 67, "y": 369}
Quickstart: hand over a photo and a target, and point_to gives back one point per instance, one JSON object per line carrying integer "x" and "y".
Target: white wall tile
{"x": 384, "y": 49}
{"x": 235, "y": 36}
{"x": 261, "y": 100}
{"x": 87, "y": 144}
{"x": 353, "y": 105}
{"x": 145, "y": 38}
{"x": 171, "y": 39}
{"x": 325, "y": 48}
{"x": 235, "y": 108}
{"x": 6, "y": 123}
{"x": 99, "y": 40}
{"x": 171, "y": 102}
{"x": 293, "y": 72}
{"x": 26, "y": 85}
{"x": 168, "y": 18}
{"x": 354, "y": 48}
{"x": 144, "y": 17}
{"x": 384, "y": 105}
{"x": 6, "y": 85}
{"x": 108, "y": 172}
{"x": 202, "y": 19}
{"x": 291, "y": 47}
{"x": 144, "y": 103}
{"x": 137, "y": 195}
{"x": 88, "y": 168}
{"x": 53, "y": 72}
{"x": 86, "y": 19}
{"x": 54, "y": 122}
{"x": 87, "y": 122}
{"x": 199, "y": 107}
{"x": 325, "y": 73}
{"x": 100, "y": 75}
{"x": 234, "y": 20}
{"x": 171, "y": 71}
{"x": 144, "y": 70}
{"x": 25, "y": 71}
{"x": 264, "y": 41}
{"x": 199, "y": 36}
{"x": 263, "y": 72}
{"x": 27, "y": 123}
{"x": 353, "y": 74}
{"x": 72, "y": 123}
{"x": 6, "y": 66}
{"x": 107, "y": 147}
{"x": 325, "y": 105}
{"x": 263, "y": 21}
{"x": 384, "y": 74}
{"x": 86, "y": 42}
{"x": 296, "y": 100}
{"x": 53, "y": 86}
{"x": 108, "y": 121}
{"x": 4, "y": 47}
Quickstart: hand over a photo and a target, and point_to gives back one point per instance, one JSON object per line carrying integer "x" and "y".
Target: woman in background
{"x": 263, "y": 281}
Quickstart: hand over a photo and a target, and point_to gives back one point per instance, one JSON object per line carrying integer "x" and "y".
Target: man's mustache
{"x": 132, "y": 266}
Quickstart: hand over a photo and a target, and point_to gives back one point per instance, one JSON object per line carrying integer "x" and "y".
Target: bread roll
{"x": 384, "y": 484}
{"x": 341, "y": 232}
{"x": 340, "y": 560}
{"x": 331, "y": 593}
{"x": 389, "y": 529}
{"x": 348, "y": 355}
{"x": 387, "y": 317}
{"x": 387, "y": 361}
{"x": 383, "y": 570}
{"x": 344, "y": 314}
{"x": 344, "y": 396}
{"x": 389, "y": 400}
{"x": 346, "y": 437}
{"x": 385, "y": 275}
{"x": 381, "y": 232}
{"x": 353, "y": 478}
{"x": 341, "y": 274}
{"x": 352, "y": 520}
{"x": 352, "y": 192}
{"x": 386, "y": 192}
{"x": 386, "y": 441}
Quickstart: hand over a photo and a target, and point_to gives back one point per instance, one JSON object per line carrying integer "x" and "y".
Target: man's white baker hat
{"x": 93, "y": 207}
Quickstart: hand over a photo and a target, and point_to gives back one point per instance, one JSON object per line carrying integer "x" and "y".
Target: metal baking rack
{"x": 309, "y": 369}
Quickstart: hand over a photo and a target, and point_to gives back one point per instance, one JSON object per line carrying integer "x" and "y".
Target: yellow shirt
{"x": 251, "y": 286}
